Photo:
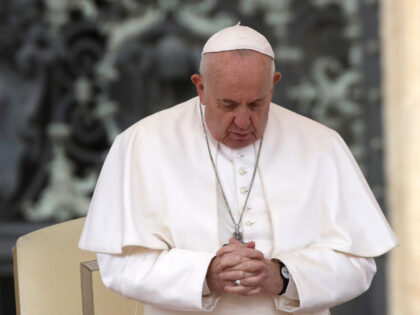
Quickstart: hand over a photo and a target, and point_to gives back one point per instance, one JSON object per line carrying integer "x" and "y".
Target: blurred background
{"x": 75, "y": 73}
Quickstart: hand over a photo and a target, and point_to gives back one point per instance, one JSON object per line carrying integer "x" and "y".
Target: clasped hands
{"x": 237, "y": 261}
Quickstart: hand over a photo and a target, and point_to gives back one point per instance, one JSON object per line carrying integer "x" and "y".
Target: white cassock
{"x": 157, "y": 220}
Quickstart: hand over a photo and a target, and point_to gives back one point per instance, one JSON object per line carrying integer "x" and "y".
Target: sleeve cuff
{"x": 210, "y": 302}
{"x": 206, "y": 290}
{"x": 289, "y": 301}
{"x": 208, "y": 299}
{"x": 291, "y": 291}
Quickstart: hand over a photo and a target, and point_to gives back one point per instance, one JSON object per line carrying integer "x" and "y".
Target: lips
{"x": 240, "y": 135}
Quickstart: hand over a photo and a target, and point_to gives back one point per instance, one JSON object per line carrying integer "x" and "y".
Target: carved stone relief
{"x": 76, "y": 73}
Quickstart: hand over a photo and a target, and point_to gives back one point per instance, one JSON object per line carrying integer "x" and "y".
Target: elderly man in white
{"x": 231, "y": 204}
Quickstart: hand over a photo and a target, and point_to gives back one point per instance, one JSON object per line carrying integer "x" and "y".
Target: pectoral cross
{"x": 238, "y": 234}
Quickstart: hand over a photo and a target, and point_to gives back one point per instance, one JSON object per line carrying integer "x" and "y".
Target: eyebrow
{"x": 227, "y": 100}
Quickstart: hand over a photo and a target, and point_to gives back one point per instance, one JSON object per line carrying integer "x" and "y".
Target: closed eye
{"x": 254, "y": 105}
{"x": 227, "y": 105}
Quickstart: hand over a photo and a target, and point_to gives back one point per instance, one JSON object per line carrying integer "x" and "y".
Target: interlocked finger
{"x": 231, "y": 260}
{"x": 254, "y": 291}
{"x": 250, "y": 266}
{"x": 234, "y": 275}
{"x": 255, "y": 280}
{"x": 240, "y": 250}
{"x": 242, "y": 290}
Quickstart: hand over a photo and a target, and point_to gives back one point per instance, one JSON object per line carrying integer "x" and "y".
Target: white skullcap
{"x": 238, "y": 37}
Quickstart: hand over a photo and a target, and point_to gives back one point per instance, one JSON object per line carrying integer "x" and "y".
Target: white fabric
{"x": 235, "y": 306}
{"x": 157, "y": 191}
{"x": 238, "y": 37}
{"x": 229, "y": 163}
{"x": 235, "y": 167}
{"x": 142, "y": 274}
{"x": 172, "y": 279}
{"x": 256, "y": 221}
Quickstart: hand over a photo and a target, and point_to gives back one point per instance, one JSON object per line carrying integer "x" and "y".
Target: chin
{"x": 238, "y": 144}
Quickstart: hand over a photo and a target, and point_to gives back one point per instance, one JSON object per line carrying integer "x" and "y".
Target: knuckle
{"x": 256, "y": 281}
{"x": 223, "y": 263}
{"x": 225, "y": 259}
{"x": 254, "y": 265}
{"x": 257, "y": 268}
{"x": 231, "y": 276}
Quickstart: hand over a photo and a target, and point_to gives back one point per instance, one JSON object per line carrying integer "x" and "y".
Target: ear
{"x": 199, "y": 85}
{"x": 276, "y": 77}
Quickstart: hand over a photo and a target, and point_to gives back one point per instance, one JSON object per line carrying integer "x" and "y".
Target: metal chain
{"x": 237, "y": 225}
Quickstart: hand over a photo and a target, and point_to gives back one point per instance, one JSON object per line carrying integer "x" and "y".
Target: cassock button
{"x": 242, "y": 171}
{"x": 239, "y": 155}
{"x": 249, "y": 223}
{"x": 243, "y": 190}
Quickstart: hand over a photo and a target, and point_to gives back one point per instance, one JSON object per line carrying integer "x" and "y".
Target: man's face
{"x": 236, "y": 91}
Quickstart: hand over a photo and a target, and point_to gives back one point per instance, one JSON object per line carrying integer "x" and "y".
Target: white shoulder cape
{"x": 157, "y": 189}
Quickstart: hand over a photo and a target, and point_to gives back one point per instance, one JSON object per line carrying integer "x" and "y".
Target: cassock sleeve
{"x": 135, "y": 249}
{"x": 351, "y": 229}
{"x": 170, "y": 279}
{"x": 324, "y": 278}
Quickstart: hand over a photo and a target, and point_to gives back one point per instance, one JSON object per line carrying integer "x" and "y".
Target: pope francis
{"x": 230, "y": 204}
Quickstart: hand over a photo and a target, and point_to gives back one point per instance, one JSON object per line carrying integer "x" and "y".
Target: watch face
{"x": 285, "y": 272}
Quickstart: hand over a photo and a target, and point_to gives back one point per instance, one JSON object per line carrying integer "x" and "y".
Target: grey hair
{"x": 204, "y": 64}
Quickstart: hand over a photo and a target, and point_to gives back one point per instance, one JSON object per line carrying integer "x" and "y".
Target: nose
{"x": 242, "y": 119}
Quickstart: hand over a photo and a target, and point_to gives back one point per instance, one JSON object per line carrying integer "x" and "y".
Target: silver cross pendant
{"x": 238, "y": 235}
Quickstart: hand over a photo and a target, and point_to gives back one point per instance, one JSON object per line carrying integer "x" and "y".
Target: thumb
{"x": 250, "y": 245}
{"x": 233, "y": 240}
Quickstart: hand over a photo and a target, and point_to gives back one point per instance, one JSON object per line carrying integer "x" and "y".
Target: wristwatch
{"x": 284, "y": 273}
